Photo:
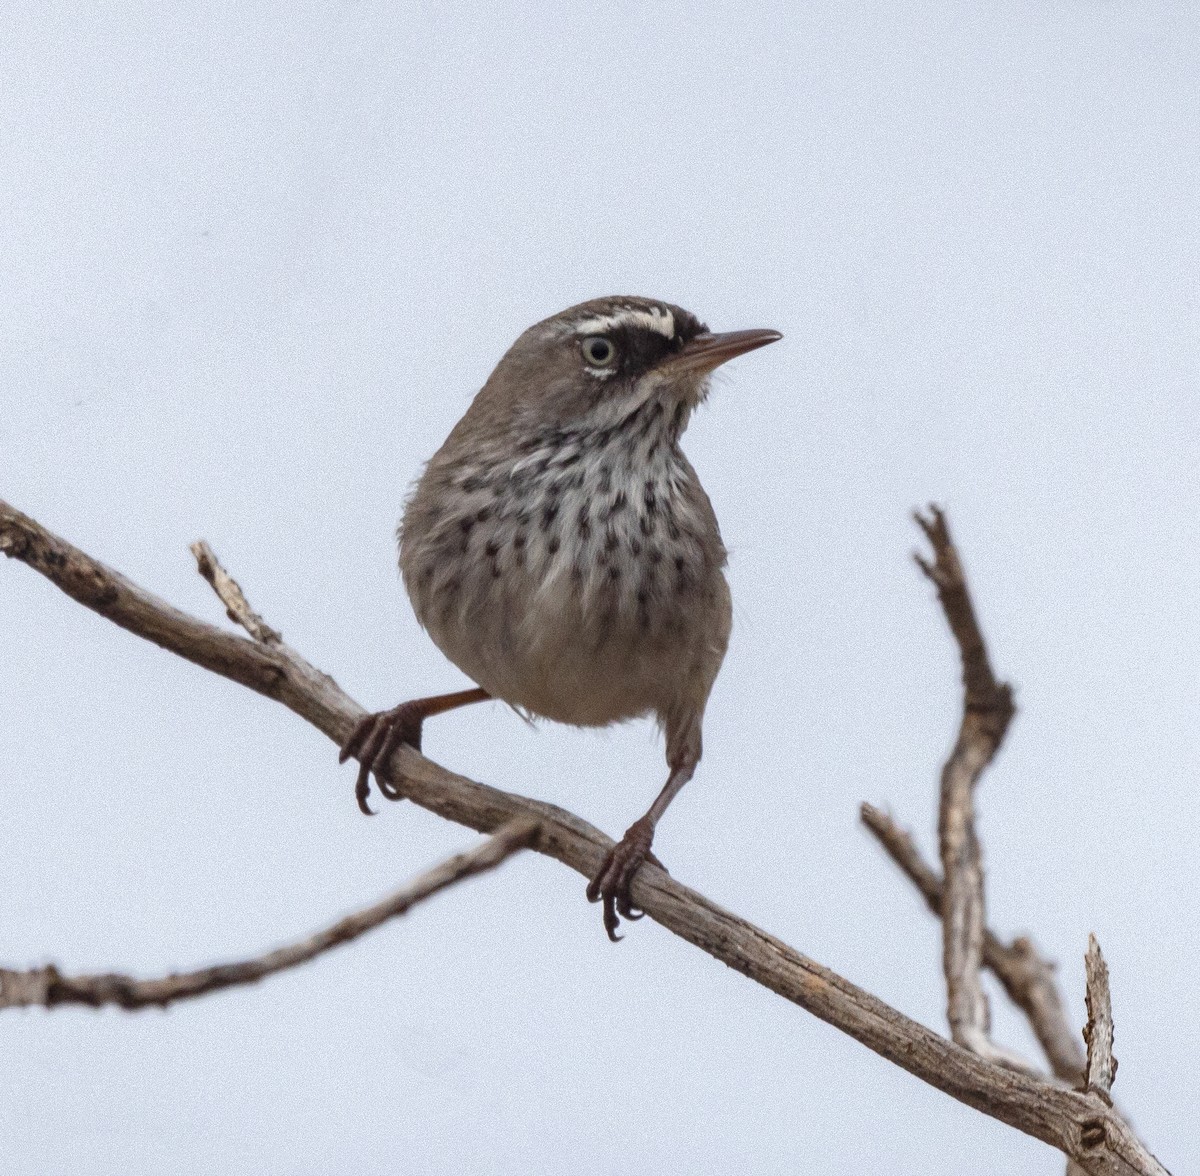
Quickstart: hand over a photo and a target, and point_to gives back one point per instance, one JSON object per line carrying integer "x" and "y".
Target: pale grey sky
{"x": 257, "y": 258}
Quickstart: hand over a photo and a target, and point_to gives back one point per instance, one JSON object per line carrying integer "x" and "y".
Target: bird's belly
{"x": 575, "y": 668}
{"x": 582, "y": 633}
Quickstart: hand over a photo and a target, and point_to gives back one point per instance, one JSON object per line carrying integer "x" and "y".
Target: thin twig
{"x": 237, "y": 607}
{"x": 987, "y": 710}
{"x": 1028, "y": 979}
{"x": 48, "y": 987}
{"x": 1098, "y": 1033}
{"x": 1044, "y": 1110}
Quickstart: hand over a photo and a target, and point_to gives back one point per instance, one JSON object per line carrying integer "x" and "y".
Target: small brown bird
{"x": 560, "y": 549}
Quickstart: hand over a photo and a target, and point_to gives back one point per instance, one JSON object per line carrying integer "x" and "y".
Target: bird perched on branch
{"x": 560, "y": 549}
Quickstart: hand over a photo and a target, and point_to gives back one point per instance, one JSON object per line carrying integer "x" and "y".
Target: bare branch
{"x": 987, "y": 710}
{"x": 48, "y": 987}
{"x": 237, "y": 607}
{"x": 1047, "y": 1111}
{"x": 274, "y": 670}
{"x": 1098, "y": 1033}
{"x": 903, "y": 851}
{"x": 1027, "y": 978}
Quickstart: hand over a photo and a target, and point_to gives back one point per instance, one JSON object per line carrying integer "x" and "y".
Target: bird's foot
{"x": 372, "y": 743}
{"x": 612, "y": 881}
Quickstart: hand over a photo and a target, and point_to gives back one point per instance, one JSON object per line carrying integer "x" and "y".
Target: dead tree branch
{"x": 987, "y": 711}
{"x": 237, "y": 607}
{"x": 1098, "y": 1033}
{"x": 1079, "y": 1123}
{"x": 1027, "y": 978}
{"x": 48, "y": 987}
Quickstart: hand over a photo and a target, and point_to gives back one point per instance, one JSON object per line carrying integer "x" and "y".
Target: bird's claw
{"x": 613, "y": 879}
{"x": 372, "y": 743}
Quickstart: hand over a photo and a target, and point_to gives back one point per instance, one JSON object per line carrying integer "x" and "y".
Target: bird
{"x": 560, "y": 549}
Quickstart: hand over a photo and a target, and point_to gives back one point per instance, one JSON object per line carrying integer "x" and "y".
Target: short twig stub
{"x": 237, "y": 607}
{"x": 1099, "y": 1030}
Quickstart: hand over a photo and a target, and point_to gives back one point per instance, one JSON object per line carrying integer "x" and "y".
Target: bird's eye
{"x": 599, "y": 351}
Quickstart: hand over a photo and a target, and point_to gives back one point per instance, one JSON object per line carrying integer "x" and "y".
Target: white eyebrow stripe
{"x": 656, "y": 319}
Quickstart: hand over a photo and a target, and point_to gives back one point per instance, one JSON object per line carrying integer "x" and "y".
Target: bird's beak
{"x": 705, "y": 352}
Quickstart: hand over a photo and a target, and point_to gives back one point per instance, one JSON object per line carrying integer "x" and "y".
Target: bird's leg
{"x": 622, "y": 862}
{"x": 377, "y": 736}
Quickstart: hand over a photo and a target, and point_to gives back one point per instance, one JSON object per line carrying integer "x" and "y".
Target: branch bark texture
{"x": 1027, "y": 978}
{"x": 1099, "y": 1032}
{"x": 1079, "y": 1123}
{"x": 987, "y": 711}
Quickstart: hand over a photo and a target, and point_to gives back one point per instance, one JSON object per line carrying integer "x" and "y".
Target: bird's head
{"x": 595, "y": 364}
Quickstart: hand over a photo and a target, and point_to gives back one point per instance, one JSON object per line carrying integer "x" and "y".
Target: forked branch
{"x": 1028, "y": 979}
{"x": 987, "y": 711}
